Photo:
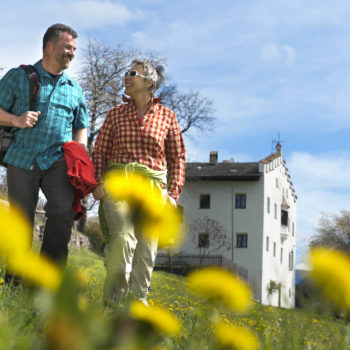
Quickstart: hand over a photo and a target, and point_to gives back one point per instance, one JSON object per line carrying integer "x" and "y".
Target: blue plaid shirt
{"x": 63, "y": 109}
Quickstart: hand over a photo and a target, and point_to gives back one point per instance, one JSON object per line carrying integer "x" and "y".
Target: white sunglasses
{"x": 134, "y": 73}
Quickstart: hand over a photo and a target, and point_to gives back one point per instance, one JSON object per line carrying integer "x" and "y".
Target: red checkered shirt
{"x": 155, "y": 141}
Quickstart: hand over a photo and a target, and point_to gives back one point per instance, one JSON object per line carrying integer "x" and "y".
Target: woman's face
{"x": 135, "y": 85}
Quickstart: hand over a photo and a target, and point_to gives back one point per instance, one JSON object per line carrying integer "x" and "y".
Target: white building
{"x": 255, "y": 204}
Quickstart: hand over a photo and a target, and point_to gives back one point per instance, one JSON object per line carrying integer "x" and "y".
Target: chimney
{"x": 213, "y": 158}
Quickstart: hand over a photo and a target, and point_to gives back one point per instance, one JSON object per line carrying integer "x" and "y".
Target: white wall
{"x": 279, "y": 234}
{"x": 222, "y": 208}
{"x": 262, "y": 266}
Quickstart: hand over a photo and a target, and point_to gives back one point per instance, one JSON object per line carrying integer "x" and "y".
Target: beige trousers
{"x": 129, "y": 258}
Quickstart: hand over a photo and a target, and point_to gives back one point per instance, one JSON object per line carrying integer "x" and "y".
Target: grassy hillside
{"x": 23, "y": 313}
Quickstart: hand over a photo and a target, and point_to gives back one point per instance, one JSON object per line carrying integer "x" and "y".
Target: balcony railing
{"x": 284, "y": 232}
{"x": 183, "y": 264}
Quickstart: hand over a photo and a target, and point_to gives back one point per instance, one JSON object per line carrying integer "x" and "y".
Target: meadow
{"x": 74, "y": 317}
{"x": 211, "y": 308}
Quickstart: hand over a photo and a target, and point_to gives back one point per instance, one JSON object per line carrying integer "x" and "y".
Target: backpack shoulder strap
{"x": 34, "y": 84}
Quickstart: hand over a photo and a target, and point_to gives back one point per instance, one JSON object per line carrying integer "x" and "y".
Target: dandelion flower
{"x": 15, "y": 235}
{"x": 135, "y": 189}
{"x": 157, "y": 218}
{"x": 82, "y": 277}
{"x": 35, "y": 269}
{"x": 161, "y": 320}
{"x": 15, "y": 232}
{"x": 330, "y": 271}
{"x": 220, "y": 286}
{"x": 235, "y": 337}
{"x": 165, "y": 227}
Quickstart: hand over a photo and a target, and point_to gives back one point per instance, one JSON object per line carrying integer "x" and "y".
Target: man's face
{"x": 63, "y": 50}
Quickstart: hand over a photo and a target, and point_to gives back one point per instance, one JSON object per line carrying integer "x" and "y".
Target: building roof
{"x": 270, "y": 158}
{"x": 223, "y": 171}
{"x": 234, "y": 171}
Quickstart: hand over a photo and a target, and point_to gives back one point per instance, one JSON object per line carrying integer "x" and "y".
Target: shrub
{"x": 93, "y": 231}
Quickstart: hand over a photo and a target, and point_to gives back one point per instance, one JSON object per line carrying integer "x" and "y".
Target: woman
{"x": 144, "y": 136}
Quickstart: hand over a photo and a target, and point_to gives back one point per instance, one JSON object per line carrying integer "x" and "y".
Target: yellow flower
{"x": 15, "y": 235}
{"x": 218, "y": 285}
{"x": 330, "y": 271}
{"x": 63, "y": 331}
{"x": 134, "y": 188}
{"x": 15, "y": 232}
{"x": 36, "y": 269}
{"x": 161, "y": 320}
{"x": 1, "y": 280}
{"x": 82, "y": 276}
{"x": 235, "y": 337}
{"x": 157, "y": 218}
{"x": 166, "y": 227}
{"x": 82, "y": 303}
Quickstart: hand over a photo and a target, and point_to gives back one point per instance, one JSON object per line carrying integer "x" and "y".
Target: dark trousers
{"x": 23, "y": 192}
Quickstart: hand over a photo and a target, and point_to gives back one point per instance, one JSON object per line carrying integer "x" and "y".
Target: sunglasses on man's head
{"x": 134, "y": 73}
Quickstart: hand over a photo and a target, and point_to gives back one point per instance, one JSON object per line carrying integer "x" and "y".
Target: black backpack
{"x": 6, "y": 135}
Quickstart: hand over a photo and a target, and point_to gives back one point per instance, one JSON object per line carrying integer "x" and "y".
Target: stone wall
{"x": 77, "y": 239}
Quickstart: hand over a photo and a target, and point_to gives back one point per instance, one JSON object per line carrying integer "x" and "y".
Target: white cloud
{"x": 96, "y": 14}
{"x": 288, "y": 53}
{"x": 270, "y": 51}
{"x": 323, "y": 171}
{"x": 22, "y": 38}
{"x": 199, "y": 152}
{"x": 322, "y": 185}
{"x": 274, "y": 52}
{"x": 141, "y": 39}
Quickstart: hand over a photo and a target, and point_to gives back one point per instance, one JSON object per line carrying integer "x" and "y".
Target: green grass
{"x": 22, "y": 315}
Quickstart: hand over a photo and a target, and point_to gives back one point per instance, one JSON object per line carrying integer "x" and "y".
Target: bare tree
{"x": 102, "y": 79}
{"x": 209, "y": 236}
{"x": 333, "y": 232}
{"x": 193, "y": 111}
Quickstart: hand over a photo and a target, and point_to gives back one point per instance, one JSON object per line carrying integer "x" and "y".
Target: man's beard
{"x": 65, "y": 61}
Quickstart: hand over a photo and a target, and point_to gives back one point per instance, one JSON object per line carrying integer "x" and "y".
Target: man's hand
{"x": 26, "y": 120}
{"x": 99, "y": 192}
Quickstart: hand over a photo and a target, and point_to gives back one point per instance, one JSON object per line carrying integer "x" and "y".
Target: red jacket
{"x": 81, "y": 173}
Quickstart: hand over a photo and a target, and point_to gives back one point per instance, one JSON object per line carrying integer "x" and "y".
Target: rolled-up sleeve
{"x": 103, "y": 148}
{"x": 176, "y": 159}
{"x": 81, "y": 116}
{"x": 7, "y": 93}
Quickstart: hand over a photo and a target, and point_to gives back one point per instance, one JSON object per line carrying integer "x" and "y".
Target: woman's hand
{"x": 172, "y": 201}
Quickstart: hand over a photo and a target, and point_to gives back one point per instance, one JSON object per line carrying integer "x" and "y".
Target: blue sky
{"x": 271, "y": 67}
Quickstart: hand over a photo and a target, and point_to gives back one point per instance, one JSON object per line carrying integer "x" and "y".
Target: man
{"x": 35, "y": 158}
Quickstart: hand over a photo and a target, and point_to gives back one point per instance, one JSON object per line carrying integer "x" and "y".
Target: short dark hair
{"x": 54, "y": 33}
